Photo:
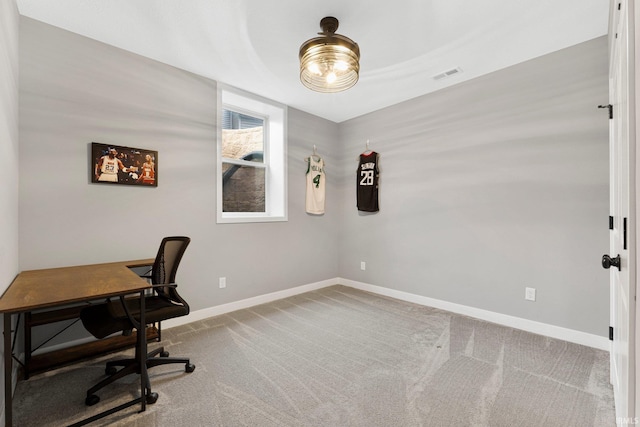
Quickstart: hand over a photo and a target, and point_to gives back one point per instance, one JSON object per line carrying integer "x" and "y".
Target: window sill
{"x": 248, "y": 218}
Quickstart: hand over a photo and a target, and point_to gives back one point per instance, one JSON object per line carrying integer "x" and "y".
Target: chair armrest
{"x": 174, "y": 295}
{"x": 135, "y": 322}
{"x": 169, "y": 285}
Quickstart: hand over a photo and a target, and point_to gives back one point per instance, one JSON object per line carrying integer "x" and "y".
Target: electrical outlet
{"x": 530, "y": 294}
{"x": 363, "y": 265}
{"x": 222, "y": 282}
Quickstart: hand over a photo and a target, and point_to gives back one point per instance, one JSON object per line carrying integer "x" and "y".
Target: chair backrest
{"x": 167, "y": 261}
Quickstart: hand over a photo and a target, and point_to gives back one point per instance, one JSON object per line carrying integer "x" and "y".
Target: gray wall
{"x": 491, "y": 186}
{"x": 74, "y": 90}
{"x": 487, "y": 187}
{"x": 9, "y": 20}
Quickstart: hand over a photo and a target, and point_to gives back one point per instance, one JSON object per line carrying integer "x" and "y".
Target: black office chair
{"x": 120, "y": 314}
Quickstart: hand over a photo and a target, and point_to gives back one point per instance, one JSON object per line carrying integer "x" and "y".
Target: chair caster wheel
{"x": 164, "y": 354}
{"x": 91, "y": 400}
{"x": 152, "y": 398}
{"x": 110, "y": 370}
{"x": 189, "y": 367}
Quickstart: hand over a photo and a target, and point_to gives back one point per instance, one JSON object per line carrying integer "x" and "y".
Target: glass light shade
{"x": 329, "y": 63}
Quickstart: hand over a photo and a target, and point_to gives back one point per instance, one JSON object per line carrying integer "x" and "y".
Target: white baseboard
{"x": 571, "y": 335}
{"x": 246, "y": 303}
{"x": 539, "y": 328}
{"x": 558, "y": 332}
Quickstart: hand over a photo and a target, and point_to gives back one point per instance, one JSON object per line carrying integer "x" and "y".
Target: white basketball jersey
{"x": 315, "y": 186}
{"x": 109, "y": 169}
{"x": 109, "y": 165}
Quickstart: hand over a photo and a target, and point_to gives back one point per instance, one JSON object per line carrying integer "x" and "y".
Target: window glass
{"x": 243, "y": 189}
{"x": 242, "y": 136}
{"x": 251, "y": 158}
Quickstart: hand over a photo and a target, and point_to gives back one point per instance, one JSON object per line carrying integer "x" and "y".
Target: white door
{"x": 621, "y": 258}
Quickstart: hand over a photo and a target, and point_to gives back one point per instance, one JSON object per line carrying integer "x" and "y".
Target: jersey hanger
{"x": 315, "y": 155}
{"x": 368, "y": 150}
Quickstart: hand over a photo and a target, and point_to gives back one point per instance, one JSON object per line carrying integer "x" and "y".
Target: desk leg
{"x": 8, "y": 373}
{"x": 142, "y": 346}
{"x": 27, "y": 343}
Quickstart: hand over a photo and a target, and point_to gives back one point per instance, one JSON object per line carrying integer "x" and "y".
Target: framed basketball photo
{"x": 114, "y": 164}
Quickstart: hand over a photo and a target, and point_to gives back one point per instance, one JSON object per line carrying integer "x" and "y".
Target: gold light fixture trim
{"x": 330, "y": 63}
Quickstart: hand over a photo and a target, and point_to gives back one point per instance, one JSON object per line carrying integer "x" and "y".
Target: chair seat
{"x": 156, "y": 309}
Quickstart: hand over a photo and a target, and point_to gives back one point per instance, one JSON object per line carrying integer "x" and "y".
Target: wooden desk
{"x": 37, "y": 289}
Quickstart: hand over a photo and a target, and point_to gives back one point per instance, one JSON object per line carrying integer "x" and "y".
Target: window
{"x": 252, "y": 143}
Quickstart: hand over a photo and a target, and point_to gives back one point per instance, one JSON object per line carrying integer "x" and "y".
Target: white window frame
{"x": 275, "y": 154}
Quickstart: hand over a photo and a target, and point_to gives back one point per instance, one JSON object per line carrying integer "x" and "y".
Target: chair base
{"x": 131, "y": 366}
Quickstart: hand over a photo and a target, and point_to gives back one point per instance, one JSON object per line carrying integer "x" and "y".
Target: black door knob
{"x": 607, "y": 261}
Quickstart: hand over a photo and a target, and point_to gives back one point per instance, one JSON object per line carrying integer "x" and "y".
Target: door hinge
{"x": 610, "y": 222}
{"x": 610, "y": 107}
{"x": 611, "y": 333}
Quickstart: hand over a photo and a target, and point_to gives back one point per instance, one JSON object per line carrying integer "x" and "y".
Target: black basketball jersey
{"x": 367, "y": 182}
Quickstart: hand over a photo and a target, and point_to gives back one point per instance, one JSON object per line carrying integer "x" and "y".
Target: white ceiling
{"x": 253, "y": 44}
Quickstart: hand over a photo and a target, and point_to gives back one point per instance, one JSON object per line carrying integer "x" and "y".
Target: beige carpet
{"x": 342, "y": 357}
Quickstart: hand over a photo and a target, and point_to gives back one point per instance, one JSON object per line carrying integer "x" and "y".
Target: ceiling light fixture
{"x": 329, "y": 63}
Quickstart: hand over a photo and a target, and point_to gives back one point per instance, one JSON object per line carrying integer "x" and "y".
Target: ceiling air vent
{"x": 448, "y": 73}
